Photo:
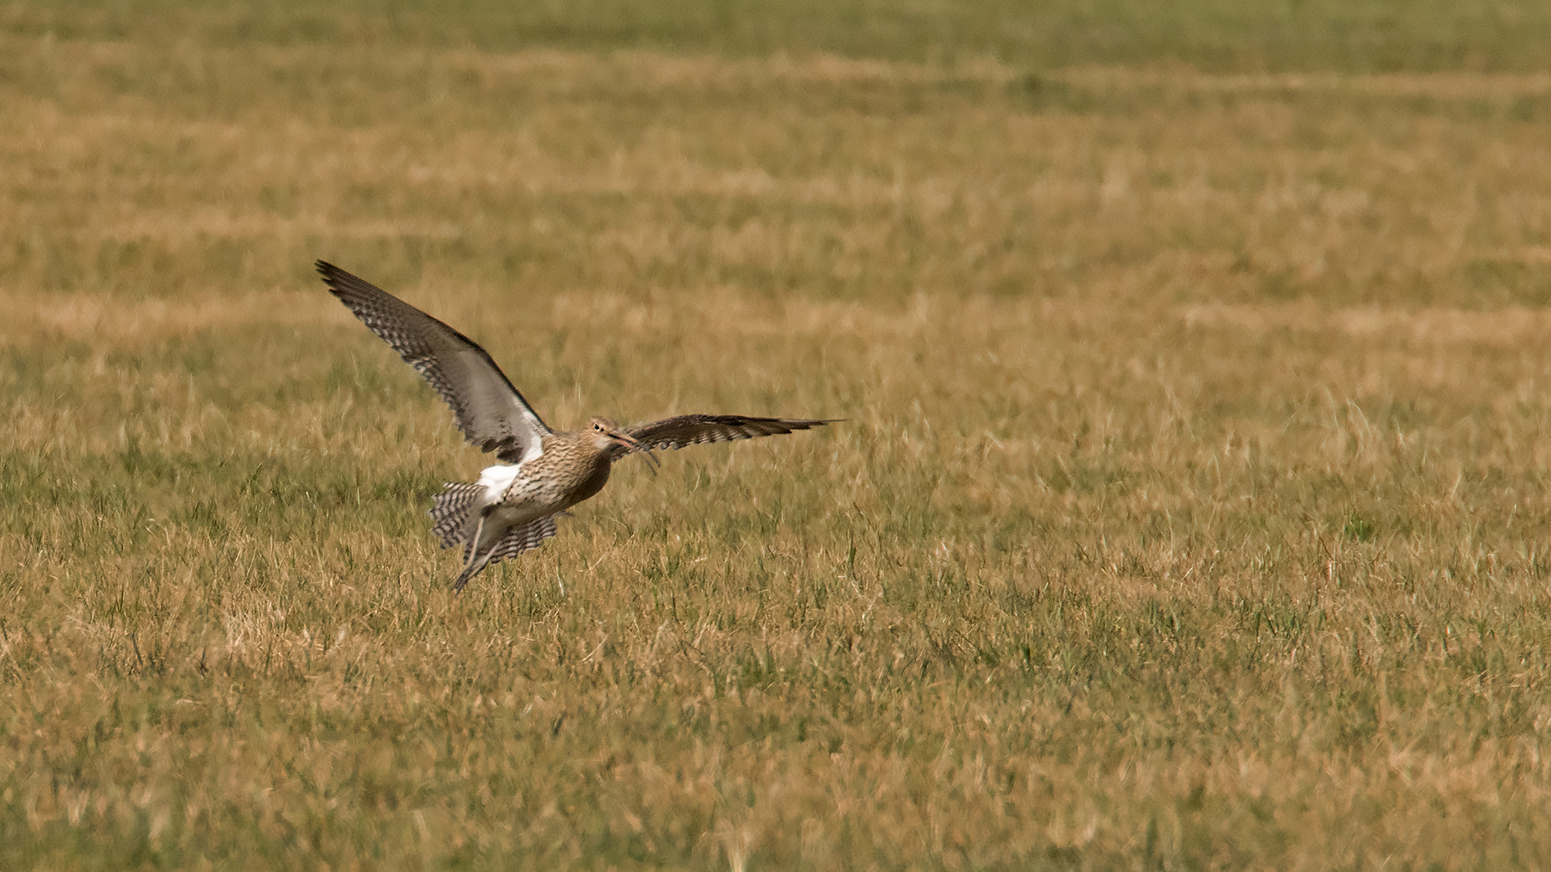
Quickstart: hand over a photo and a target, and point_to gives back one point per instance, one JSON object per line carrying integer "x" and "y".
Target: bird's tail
{"x": 512, "y": 543}
{"x": 450, "y": 513}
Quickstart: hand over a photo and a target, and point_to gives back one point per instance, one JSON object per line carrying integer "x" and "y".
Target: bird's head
{"x": 616, "y": 442}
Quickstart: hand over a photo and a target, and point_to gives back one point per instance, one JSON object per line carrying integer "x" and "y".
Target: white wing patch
{"x": 496, "y": 479}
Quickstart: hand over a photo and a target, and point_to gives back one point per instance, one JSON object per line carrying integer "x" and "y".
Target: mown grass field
{"x": 1192, "y": 511}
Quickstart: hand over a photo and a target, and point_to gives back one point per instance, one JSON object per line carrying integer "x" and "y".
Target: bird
{"x": 513, "y": 506}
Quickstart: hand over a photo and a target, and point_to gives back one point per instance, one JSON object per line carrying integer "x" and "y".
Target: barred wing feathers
{"x": 524, "y": 538}
{"x": 450, "y": 511}
{"x": 685, "y": 430}
{"x": 491, "y": 412}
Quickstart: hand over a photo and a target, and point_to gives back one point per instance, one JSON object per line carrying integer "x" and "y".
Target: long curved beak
{"x": 632, "y": 445}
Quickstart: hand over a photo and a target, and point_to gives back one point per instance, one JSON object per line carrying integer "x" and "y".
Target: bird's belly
{"x": 548, "y": 488}
{"x": 527, "y": 498}
{"x": 505, "y": 515}
{"x": 511, "y": 499}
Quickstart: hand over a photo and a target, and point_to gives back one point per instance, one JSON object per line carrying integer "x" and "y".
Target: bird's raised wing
{"x": 489, "y": 411}
{"x": 701, "y": 429}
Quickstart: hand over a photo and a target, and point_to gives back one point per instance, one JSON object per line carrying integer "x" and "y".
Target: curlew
{"x": 512, "y": 508}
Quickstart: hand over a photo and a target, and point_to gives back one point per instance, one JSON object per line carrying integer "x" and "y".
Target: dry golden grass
{"x": 1191, "y": 512}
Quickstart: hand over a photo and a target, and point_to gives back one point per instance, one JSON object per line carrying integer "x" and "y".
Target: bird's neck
{"x": 575, "y": 467}
{"x": 591, "y": 477}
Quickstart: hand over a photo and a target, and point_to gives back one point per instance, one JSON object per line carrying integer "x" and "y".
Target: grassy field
{"x": 1192, "y": 511}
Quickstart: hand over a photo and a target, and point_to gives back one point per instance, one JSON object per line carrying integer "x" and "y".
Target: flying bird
{"x": 512, "y": 508}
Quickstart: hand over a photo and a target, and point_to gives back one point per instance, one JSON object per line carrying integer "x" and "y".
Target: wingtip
{"x": 338, "y": 280}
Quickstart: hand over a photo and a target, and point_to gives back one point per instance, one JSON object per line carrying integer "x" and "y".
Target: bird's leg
{"x": 473, "y": 543}
{"x": 474, "y": 568}
{"x": 475, "y": 563}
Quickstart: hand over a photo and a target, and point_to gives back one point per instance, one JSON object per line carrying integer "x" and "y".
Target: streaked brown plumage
{"x": 512, "y": 507}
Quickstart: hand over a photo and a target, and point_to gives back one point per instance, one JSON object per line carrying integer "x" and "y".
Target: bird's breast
{"x": 594, "y": 482}
{"x": 559, "y": 479}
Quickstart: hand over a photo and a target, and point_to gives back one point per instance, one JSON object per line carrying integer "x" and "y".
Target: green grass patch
{"x": 1190, "y": 511}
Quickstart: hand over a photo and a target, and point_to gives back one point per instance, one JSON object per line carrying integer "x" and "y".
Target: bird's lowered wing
{"x": 702, "y": 429}
{"x": 489, "y": 411}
